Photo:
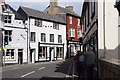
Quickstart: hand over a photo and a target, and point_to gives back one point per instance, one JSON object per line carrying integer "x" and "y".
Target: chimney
{"x": 69, "y": 8}
{"x": 53, "y": 3}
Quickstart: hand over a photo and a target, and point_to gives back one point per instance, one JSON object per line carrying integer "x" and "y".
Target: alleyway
{"x": 56, "y": 70}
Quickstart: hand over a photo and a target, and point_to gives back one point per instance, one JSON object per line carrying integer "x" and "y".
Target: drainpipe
{"x": 29, "y": 41}
{"x": 104, "y": 28}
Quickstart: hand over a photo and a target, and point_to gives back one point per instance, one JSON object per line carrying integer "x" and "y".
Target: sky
{"x": 42, "y": 4}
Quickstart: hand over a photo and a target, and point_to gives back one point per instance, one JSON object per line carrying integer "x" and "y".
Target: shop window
{"x": 8, "y": 36}
{"x": 38, "y": 22}
{"x": 72, "y": 32}
{"x": 70, "y": 19}
{"x": 51, "y": 37}
{"x": 42, "y": 52}
{"x": 10, "y": 54}
{"x": 7, "y": 18}
{"x": 56, "y": 26}
{"x": 60, "y": 52}
{"x": 43, "y": 37}
{"x": 59, "y": 38}
{"x": 32, "y": 38}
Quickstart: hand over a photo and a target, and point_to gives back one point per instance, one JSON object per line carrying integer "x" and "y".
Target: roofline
{"x": 48, "y": 20}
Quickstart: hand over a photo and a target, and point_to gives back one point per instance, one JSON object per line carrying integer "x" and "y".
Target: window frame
{"x": 38, "y": 22}
{"x": 71, "y": 32}
{"x": 8, "y": 35}
{"x": 43, "y": 37}
{"x": 32, "y": 38}
{"x": 59, "y": 38}
{"x": 8, "y": 18}
{"x": 51, "y": 37}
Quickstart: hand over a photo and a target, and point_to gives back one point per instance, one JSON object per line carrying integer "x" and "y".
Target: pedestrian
{"x": 80, "y": 64}
{"x": 89, "y": 59}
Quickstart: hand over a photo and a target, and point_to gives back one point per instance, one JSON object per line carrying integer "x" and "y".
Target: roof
{"x": 17, "y": 15}
{"x": 68, "y": 11}
{"x": 42, "y": 15}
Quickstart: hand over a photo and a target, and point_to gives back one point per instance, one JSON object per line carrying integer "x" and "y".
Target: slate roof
{"x": 68, "y": 11}
{"x": 42, "y": 15}
{"x": 17, "y": 15}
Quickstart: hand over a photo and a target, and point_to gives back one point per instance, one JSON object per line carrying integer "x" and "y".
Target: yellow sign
{"x": 4, "y": 48}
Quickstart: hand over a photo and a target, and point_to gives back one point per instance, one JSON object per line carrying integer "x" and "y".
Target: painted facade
{"x": 14, "y": 38}
{"x": 47, "y": 38}
{"x": 73, "y": 28}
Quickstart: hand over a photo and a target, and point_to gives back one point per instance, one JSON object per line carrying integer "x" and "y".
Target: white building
{"x": 14, "y": 37}
{"x": 47, "y": 34}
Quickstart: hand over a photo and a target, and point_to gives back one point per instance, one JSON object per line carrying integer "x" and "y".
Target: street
{"x": 55, "y": 70}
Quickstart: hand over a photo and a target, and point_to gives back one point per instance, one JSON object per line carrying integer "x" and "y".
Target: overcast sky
{"x": 42, "y": 4}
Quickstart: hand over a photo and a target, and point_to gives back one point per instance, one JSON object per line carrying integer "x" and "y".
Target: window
{"x": 92, "y": 8}
{"x": 10, "y": 54}
{"x": 42, "y": 52}
{"x": 60, "y": 52}
{"x": 72, "y": 32}
{"x": 8, "y": 36}
{"x": 56, "y": 26}
{"x": 59, "y": 38}
{"x": 78, "y": 22}
{"x": 38, "y": 22}
{"x": 32, "y": 38}
{"x": 70, "y": 18}
{"x": 7, "y": 19}
{"x": 43, "y": 37}
{"x": 85, "y": 23}
{"x": 79, "y": 32}
{"x": 51, "y": 37}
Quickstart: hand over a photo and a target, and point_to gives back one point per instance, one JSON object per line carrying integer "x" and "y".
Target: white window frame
{"x": 51, "y": 37}
{"x": 43, "y": 37}
{"x": 59, "y": 38}
{"x": 8, "y": 18}
{"x": 32, "y": 36}
{"x": 72, "y": 32}
{"x": 8, "y": 55}
{"x": 8, "y": 35}
{"x": 79, "y": 33}
{"x": 70, "y": 19}
{"x": 38, "y": 22}
{"x": 56, "y": 26}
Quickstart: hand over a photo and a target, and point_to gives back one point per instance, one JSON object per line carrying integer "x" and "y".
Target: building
{"x": 47, "y": 35}
{"x": 14, "y": 37}
{"x": 100, "y": 30}
{"x": 73, "y": 28}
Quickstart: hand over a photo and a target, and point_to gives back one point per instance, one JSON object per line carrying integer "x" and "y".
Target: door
{"x": 32, "y": 55}
{"x": 51, "y": 53}
{"x": 20, "y": 56}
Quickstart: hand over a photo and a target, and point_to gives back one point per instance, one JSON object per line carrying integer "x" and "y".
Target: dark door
{"x": 20, "y": 56}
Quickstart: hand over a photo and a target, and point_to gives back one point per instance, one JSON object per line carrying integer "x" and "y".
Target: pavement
{"x": 55, "y": 70}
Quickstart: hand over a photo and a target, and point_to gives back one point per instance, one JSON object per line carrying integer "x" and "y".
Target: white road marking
{"x": 28, "y": 74}
{"x": 41, "y": 68}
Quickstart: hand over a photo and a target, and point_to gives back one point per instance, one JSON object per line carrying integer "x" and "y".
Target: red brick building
{"x": 73, "y": 28}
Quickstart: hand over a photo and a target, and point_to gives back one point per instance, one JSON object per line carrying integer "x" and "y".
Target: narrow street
{"x": 56, "y": 70}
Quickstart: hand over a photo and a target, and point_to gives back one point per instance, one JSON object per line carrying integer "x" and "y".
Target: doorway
{"x": 51, "y": 53}
{"x": 20, "y": 56}
{"x": 32, "y": 55}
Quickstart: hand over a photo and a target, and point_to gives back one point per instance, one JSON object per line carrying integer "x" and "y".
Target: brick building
{"x": 73, "y": 28}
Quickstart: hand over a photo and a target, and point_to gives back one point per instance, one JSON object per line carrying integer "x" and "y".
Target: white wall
{"x": 111, "y": 29}
{"x": 47, "y": 30}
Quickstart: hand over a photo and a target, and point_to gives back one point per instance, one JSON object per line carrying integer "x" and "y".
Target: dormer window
{"x": 7, "y": 19}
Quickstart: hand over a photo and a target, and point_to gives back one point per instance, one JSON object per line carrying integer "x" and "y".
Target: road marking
{"x": 41, "y": 68}
{"x": 28, "y": 74}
